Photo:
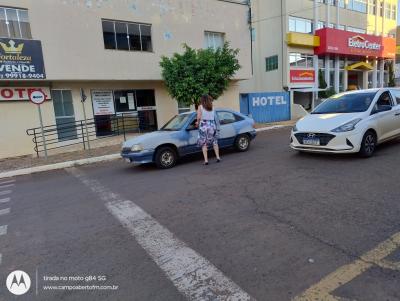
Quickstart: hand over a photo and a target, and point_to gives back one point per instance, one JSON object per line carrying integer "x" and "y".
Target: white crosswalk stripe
{"x": 4, "y": 211}
{"x": 6, "y": 186}
{"x": 7, "y": 182}
{"x": 193, "y": 275}
{"x": 5, "y": 200}
{"x": 4, "y": 192}
{"x": 3, "y": 229}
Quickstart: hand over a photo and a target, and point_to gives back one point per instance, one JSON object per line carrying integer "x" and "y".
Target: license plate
{"x": 311, "y": 141}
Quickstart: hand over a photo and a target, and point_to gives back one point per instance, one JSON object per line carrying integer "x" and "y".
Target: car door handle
{"x": 397, "y": 114}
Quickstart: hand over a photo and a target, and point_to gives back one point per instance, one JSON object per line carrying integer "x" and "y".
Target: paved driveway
{"x": 269, "y": 224}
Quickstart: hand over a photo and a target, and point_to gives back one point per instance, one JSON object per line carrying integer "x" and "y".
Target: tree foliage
{"x": 189, "y": 75}
{"x": 392, "y": 82}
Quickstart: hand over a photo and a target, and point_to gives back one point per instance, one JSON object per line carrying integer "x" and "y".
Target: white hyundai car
{"x": 350, "y": 122}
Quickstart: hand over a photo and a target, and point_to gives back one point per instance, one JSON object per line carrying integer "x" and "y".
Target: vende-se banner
{"x": 335, "y": 41}
{"x": 21, "y": 93}
{"x": 21, "y": 59}
{"x": 302, "y": 76}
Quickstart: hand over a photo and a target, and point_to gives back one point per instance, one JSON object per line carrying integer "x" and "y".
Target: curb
{"x": 273, "y": 127}
{"x": 62, "y": 165}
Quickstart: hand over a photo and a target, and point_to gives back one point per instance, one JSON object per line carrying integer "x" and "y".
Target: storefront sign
{"x": 103, "y": 103}
{"x": 266, "y": 107}
{"x": 21, "y": 59}
{"x": 21, "y": 93}
{"x": 335, "y": 41}
{"x": 302, "y": 76}
{"x": 148, "y": 108}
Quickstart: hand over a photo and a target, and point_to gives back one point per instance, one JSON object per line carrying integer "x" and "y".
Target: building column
{"x": 337, "y": 74}
{"x": 375, "y": 74}
{"x": 365, "y": 79}
{"x": 383, "y": 17}
{"x": 345, "y": 76}
{"x": 337, "y": 15}
{"x": 327, "y": 70}
{"x": 381, "y": 73}
{"x": 377, "y": 11}
{"x": 316, "y": 83}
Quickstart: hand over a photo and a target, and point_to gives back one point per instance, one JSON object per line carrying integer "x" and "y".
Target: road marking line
{"x": 7, "y": 182}
{"x": 193, "y": 275}
{"x": 5, "y": 200}
{"x": 323, "y": 289}
{"x": 3, "y": 230}
{"x": 6, "y": 186}
{"x": 4, "y": 211}
{"x": 5, "y": 192}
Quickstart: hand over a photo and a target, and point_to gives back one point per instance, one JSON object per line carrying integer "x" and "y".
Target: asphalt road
{"x": 278, "y": 224}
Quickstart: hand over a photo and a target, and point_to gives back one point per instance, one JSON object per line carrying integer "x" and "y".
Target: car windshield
{"x": 346, "y": 103}
{"x": 176, "y": 123}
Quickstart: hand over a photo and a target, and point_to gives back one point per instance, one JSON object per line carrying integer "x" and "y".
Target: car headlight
{"x": 294, "y": 129}
{"x": 136, "y": 148}
{"x": 347, "y": 127}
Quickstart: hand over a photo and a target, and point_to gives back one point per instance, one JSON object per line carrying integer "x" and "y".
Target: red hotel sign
{"x": 302, "y": 76}
{"x": 335, "y": 41}
{"x": 21, "y": 93}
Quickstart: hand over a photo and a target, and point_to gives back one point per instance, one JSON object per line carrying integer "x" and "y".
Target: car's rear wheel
{"x": 242, "y": 143}
{"x": 166, "y": 157}
{"x": 368, "y": 144}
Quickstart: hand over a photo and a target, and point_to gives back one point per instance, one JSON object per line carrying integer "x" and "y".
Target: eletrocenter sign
{"x": 21, "y": 59}
{"x": 360, "y": 42}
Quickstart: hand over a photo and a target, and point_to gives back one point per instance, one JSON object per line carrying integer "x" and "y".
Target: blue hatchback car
{"x": 179, "y": 138}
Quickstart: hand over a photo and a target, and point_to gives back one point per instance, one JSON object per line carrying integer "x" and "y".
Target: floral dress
{"x": 208, "y": 133}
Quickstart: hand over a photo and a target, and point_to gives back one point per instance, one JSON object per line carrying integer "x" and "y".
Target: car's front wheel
{"x": 368, "y": 144}
{"x": 166, "y": 157}
{"x": 242, "y": 143}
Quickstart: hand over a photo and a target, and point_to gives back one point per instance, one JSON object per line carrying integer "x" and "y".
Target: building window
{"x": 388, "y": 11}
{"x": 355, "y": 29}
{"x": 300, "y": 25}
{"x": 381, "y": 9}
{"x": 127, "y": 36}
{"x": 394, "y": 11}
{"x": 271, "y": 63}
{"x": 358, "y": 5}
{"x": 213, "y": 40}
{"x": 372, "y": 7}
{"x": 333, "y": 2}
{"x": 14, "y": 23}
{"x": 301, "y": 60}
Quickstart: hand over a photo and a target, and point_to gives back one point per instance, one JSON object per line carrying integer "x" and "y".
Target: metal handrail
{"x": 79, "y": 132}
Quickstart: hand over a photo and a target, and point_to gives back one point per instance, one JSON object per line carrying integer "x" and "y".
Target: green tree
{"x": 322, "y": 84}
{"x": 189, "y": 75}
{"x": 392, "y": 82}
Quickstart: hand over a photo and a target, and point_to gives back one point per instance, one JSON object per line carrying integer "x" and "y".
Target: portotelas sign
{"x": 302, "y": 76}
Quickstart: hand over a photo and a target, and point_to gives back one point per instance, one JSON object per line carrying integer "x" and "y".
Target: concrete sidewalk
{"x": 24, "y": 165}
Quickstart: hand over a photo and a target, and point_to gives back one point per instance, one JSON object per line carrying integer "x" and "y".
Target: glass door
{"x": 64, "y": 112}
